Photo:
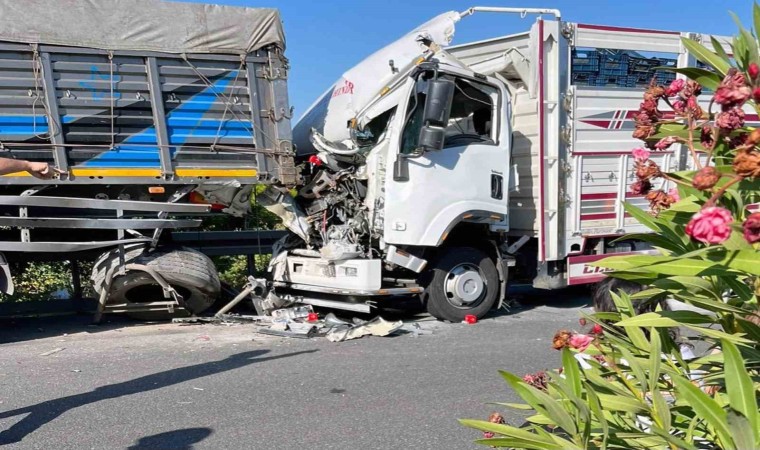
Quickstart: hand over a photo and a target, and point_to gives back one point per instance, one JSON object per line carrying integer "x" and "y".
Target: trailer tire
{"x": 462, "y": 281}
{"x": 190, "y": 272}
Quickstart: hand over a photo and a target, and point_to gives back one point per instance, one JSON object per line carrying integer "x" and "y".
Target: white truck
{"x": 444, "y": 173}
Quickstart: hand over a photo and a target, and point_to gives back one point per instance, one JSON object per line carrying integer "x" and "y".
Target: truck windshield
{"x": 375, "y": 129}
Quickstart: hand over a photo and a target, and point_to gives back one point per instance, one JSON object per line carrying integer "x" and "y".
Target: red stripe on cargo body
{"x": 617, "y": 153}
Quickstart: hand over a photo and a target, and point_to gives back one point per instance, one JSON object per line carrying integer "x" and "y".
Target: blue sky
{"x": 324, "y": 38}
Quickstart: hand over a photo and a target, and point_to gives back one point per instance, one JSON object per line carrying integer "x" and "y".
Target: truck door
{"x": 466, "y": 180}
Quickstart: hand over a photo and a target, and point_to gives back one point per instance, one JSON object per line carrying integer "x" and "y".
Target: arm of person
{"x": 39, "y": 170}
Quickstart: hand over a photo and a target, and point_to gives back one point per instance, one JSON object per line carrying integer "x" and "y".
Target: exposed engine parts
{"x": 333, "y": 202}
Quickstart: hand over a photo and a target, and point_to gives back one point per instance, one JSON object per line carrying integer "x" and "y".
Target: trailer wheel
{"x": 191, "y": 273}
{"x": 462, "y": 281}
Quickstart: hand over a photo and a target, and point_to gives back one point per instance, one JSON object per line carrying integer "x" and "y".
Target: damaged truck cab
{"x": 411, "y": 196}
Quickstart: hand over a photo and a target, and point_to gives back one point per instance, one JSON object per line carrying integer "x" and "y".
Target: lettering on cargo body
{"x": 591, "y": 270}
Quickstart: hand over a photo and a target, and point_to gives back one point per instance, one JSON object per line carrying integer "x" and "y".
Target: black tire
{"x": 191, "y": 273}
{"x": 441, "y": 301}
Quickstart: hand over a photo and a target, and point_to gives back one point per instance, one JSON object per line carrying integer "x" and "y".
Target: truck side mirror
{"x": 438, "y": 100}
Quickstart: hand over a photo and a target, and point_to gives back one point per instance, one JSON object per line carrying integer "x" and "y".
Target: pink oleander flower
{"x": 706, "y": 178}
{"x": 706, "y": 137}
{"x": 693, "y": 108}
{"x": 730, "y": 120}
{"x": 640, "y": 154}
{"x": 675, "y": 87}
{"x": 597, "y": 329}
{"x": 641, "y": 187}
{"x": 679, "y": 106}
{"x": 538, "y": 380}
{"x": 580, "y": 342}
{"x": 733, "y": 90}
{"x": 756, "y": 95}
{"x": 673, "y": 193}
{"x": 753, "y": 70}
{"x": 665, "y": 142}
{"x": 711, "y": 225}
{"x": 751, "y": 228}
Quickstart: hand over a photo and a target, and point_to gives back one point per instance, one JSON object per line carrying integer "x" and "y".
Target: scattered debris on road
{"x": 53, "y": 351}
{"x": 375, "y": 327}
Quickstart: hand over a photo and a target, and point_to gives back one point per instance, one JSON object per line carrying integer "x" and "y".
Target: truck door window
{"x": 472, "y": 120}
{"x": 472, "y": 114}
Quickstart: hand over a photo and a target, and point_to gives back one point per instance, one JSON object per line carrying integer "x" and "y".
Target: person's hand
{"x": 42, "y": 170}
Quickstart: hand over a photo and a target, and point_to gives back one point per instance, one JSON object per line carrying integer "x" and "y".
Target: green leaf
{"x": 654, "y": 239}
{"x": 636, "y": 368}
{"x": 741, "y": 392}
{"x": 620, "y": 403}
{"x": 654, "y": 224}
{"x": 706, "y": 303}
{"x": 679, "y": 443}
{"x": 663, "y": 265}
{"x": 741, "y": 431}
{"x": 752, "y": 330}
{"x": 705, "y": 407}
{"x": 596, "y": 408}
{"x": 706, "y": 78}
{"x": 655, "y": 359}
{"x": 539, "y": 419}
{"x": 747, "y": 261}
{"x": 749, "y": 42}
{"x": 741, "y": 52}
{"x": 542, "y": 403}
{"x": 572, "y": 371}
{"x": 716, "y": 334}
{"x": 516, "y": 443}
{"x": 719, "y": 50}
{"x": 520, "y": 406}
{"x": 706, "y": 56}
{"x": 533, "y": 440}
{"x": 667, "y": 319}
{"x": 691, "y": 284}
{"x": 661, "y": 409}
{"x": 602, "y": 383}
{"x": 626, "y": 309}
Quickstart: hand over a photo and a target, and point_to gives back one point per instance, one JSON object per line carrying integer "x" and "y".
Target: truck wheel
{"x": 191, "y": 273}
{"x": 462, "y": 281}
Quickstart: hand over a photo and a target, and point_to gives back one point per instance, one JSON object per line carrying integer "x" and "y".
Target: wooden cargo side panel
{"x": 524, "y": 201}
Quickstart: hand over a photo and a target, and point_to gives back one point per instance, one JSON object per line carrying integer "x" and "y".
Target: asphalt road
{"x": 127, "y": 385}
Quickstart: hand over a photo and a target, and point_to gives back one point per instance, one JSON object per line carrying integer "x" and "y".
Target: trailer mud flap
{"x": 6, "y": 281}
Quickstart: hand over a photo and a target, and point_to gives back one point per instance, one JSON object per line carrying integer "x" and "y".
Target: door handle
{"x": 497, "y": 186}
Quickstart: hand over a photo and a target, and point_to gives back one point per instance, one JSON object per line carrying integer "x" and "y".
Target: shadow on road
{"x": 177, "y": 439}
{"x": 31, "y": 328}
{"x": 45, "y": 412}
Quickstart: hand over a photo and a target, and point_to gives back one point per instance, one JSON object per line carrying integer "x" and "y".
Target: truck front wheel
{"x": 462, "y": 281}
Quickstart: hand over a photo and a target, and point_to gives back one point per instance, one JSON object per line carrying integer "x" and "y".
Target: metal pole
{"x": 76, "y": 282}
{"x": 522, "y": 11}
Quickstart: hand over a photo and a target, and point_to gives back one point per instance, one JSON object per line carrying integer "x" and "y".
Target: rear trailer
{"x": 145, "y": 107}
